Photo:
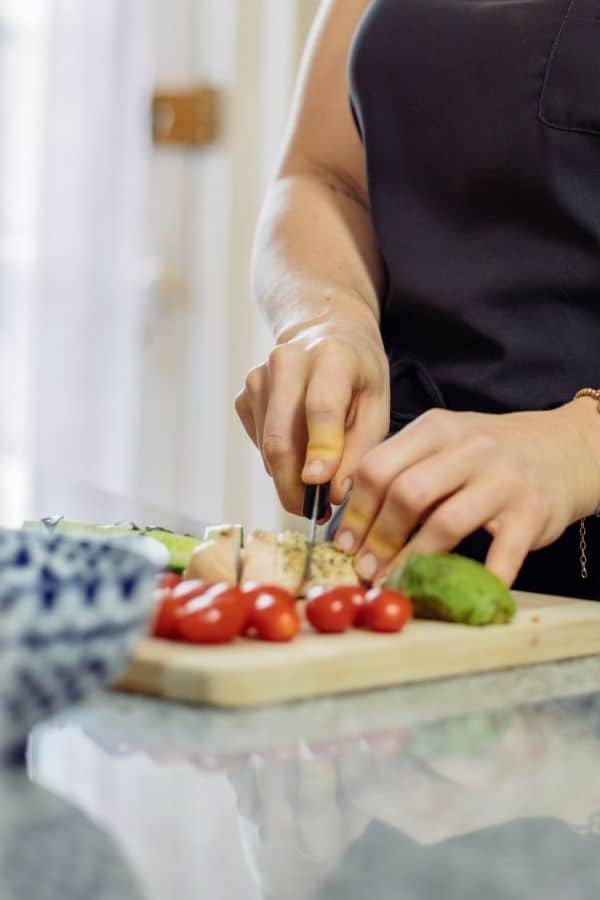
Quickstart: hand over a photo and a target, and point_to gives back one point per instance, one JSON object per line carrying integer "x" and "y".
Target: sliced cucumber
{"x": 180, "y": 546}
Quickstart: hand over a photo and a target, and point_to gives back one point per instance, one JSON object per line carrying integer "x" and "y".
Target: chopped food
{"x": 216, "y": 617}
{"x": 453, "y": 588}
{"x": 275, "y": 558}
{"x": 329, "y": 567}
{"x": 334, "y": 610}
{"x": 216, "y": 559}
{"x": 213, "y": 531}
{"x": 384, "y": 610}
{"x": 180, "y": 546}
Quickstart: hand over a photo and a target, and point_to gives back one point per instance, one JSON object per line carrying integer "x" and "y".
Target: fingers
{"x": 515, "y": 535}
{"x": 328, "y": 399}
{"x": 381, "y": 466}
{"x": 244, "y": 411}
{"x": 369, "y": 427}
{"x": 412, "y": 495}
{"x": 454, "y": 519}
{"x": 284, "y": 434}
{"x": 251, "y": 403}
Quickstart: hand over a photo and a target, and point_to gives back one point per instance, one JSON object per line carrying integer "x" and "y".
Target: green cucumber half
{"x": 180, "y": 546}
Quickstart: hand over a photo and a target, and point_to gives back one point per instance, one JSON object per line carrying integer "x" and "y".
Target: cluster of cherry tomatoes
{"x": 200, "y": 612}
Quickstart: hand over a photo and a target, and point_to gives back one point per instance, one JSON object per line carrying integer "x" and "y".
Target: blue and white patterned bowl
{"x": 70, "y": 611}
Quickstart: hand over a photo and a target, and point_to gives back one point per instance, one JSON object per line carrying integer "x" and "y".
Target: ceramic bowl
{"x": 71, "y": 610}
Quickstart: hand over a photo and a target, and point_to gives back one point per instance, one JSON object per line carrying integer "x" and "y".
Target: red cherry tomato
{"x": 166, "y": 624}
{"x": 385, "y": 610}
{"x": 272, "y": 614}
{"x": 334, "y": 610}
{"x": 215, "y": 616}
{"x": 167, "y": 580}
{"x": 196, "y": 587}
{"x": 278, "y": 624}
{"x": 254, "y": 592}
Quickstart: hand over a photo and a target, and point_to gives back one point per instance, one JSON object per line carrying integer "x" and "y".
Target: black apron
{"x": 481, "y": 126}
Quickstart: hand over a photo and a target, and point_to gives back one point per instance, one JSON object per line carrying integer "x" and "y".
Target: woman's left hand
{"x": 524, "y": 477}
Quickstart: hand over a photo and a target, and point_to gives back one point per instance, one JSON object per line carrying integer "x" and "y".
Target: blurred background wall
{"x": 126, "y": 323}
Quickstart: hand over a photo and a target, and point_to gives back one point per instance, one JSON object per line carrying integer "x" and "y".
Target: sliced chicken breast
{"x": 329, "y": 567}
{"x": 217, "y": 559}
{"x": 275, "y": 558}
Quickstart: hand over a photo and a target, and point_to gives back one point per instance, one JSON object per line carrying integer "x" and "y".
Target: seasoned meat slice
{"x": 329, "y": 567}
{"x": 217, "y": 559}
{"x": 275, "y": 558}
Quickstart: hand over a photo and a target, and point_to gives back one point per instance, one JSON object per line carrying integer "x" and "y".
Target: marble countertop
{"x": 446, "y": 789}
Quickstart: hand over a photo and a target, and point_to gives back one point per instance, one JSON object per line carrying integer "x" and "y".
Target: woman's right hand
{"x": 317, "y": 405}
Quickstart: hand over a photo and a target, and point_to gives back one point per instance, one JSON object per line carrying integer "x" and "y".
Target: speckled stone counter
{"x": 486, "y": 784}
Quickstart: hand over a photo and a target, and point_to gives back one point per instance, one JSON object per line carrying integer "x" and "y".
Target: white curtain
{"x": 81, "y": 257}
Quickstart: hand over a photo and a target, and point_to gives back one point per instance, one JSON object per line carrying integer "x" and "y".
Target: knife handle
{"x": 310, "y": 491}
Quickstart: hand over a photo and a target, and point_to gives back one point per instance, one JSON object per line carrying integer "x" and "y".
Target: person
{"x": 428, "y": 257}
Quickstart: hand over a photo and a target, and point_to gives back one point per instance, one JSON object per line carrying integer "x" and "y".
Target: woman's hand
{"x": 318, "y": 404}
{"x": 524, "y": 477}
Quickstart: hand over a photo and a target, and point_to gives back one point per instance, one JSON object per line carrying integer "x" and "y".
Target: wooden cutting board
{"x": 254, "y": 673}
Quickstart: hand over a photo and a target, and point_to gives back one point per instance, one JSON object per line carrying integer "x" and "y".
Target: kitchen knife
{"x": 316, "y": 504}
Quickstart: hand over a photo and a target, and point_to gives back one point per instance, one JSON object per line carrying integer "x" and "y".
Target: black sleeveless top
{"x": 481, "y": 126}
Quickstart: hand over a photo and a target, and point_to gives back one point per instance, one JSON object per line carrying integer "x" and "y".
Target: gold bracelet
{"x": 594, "y": 393}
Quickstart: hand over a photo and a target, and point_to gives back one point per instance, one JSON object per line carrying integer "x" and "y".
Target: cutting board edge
{"x": 236, "y": 689}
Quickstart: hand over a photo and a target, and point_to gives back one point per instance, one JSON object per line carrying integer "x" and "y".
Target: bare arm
{"x": 322, "y": 398}
{"x": 315, "y": 251}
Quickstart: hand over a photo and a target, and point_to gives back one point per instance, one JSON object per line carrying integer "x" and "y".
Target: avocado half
{"x": 453, "y": 588}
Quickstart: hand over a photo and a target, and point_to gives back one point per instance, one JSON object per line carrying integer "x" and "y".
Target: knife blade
{"x": 316, "y": 504}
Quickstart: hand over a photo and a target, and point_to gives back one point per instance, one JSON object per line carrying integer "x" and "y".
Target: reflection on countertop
{"x": 449, "y": 789}
{"x": 49, "y": 849}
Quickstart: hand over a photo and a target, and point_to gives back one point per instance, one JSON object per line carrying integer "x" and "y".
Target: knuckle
{"x": 320, "y": 408}
{"x": 483, "y": 443}
{"x": 284, "y": 355}
{"x": 511, "y": 481}
{"x": 253, "y": 381}
{"x": 368, "y": 477}
{"x": 436, "y": 417}
{"x": 275, "y": 447}
{"x": 329, "y": 347}
{"x": 409, "y": 493}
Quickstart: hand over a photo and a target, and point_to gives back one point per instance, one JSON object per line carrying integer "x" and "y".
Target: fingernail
{"x": 314, "y": 469}
{"x": 346, "y": 486}
{"x": 367, "y": 566}
{"x": 345, "y": 541}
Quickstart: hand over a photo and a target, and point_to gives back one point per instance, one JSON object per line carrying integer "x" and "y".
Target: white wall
{"x": 210, "y": 199}
{"x": 126, "y": 322}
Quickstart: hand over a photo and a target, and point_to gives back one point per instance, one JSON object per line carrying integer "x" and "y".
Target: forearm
{"x": 315, "y": 255}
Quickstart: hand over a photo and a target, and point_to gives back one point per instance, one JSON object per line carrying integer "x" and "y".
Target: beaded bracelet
{"x": 595, "y": 394}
